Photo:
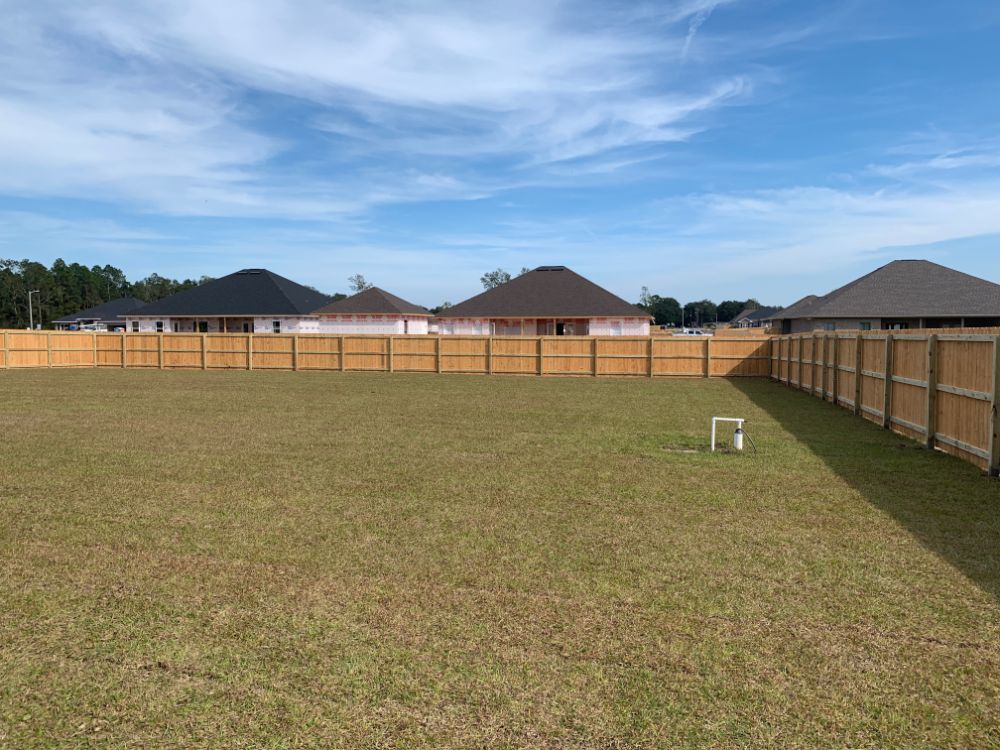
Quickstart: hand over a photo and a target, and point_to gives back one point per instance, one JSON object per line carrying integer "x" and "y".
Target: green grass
{"x": 288, "y": 560}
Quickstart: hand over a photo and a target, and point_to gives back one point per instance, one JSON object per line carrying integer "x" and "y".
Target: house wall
{"x": 375, "y": 324}
{"x": 464, "y": 326}
{"x": 78, "y": 325}
{"x": 515, "y": 327}
{"x": 532, "y": 327}
{"x": 148, "y": 325}
{"x": 619, "y": 326}
{"x": 302, "y": 324}
{"x": 808, "y": 325}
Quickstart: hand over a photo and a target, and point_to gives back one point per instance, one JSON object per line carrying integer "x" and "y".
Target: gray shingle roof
{"x": 796, "y": 310}
{"x": 905, "y": 289}
{"x": 372, "y": 301}
{"x": 546, "y": 292}
{"x": 754, "y": 314}
{"x": 252, "y": 291}
{"x": 109, "y": 312}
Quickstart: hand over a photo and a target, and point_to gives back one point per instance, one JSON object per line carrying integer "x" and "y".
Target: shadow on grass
{"x": 947, "y": 504}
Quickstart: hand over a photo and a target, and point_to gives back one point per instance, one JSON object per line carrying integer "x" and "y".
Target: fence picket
{"x": 994, "y": 449}
{"x": 930, "y": 418}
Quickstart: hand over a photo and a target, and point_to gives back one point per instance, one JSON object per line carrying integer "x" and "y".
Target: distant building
{"x": 106, "y": 317}
{"x": 373, "y": 311}
{"x": 549, "y": 301}
{"x": 755, "y": 317}
{"x": 903, "y": 294}
{"x": 253, "y": 300}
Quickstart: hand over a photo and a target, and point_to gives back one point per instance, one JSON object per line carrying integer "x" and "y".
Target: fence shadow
{"x": 948, "y": 505}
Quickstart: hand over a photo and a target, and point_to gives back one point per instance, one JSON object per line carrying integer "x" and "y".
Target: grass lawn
{"x": 252, "y": 559}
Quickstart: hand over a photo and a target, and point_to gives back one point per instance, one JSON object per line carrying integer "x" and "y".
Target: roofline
{"x": 540, "y": 317}
{"x": 95, "y": 320}
{"x": 338, "y": 314}
{"x": 227, "y": 315}
{"x": 852, "y": 316}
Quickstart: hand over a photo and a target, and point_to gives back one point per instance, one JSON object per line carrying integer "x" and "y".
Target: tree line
{"x": 66, "y": 288}
{"x": 669, "y": 312}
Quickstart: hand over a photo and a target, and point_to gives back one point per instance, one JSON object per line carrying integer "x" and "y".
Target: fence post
{"x": 887, "y": 389}
{"x": 994, "y": 467}
{"x": 835, "y": 375}
{"x": 343, "y": 356}
{"x": 819, "y": 369}
{"x": 788, "y": 361}
{"x": 596, "y": 357}
{"x": 801, "y": 363}
{"x": 859, "y": 361}
{"x": 124, "y": 351}
{"x": 93, "y": 343}
{"x": 295, "y": 352}
{"x": 249, "y": 351}
{"x": 541, "y": 356}
{"x": 389, "y": 363}
{"x": 48, "y": 348}
{"x": 812, "y": 386}
{"x": 204, "y": 351}
{"x": 6, "y": 350}
{"x": 824, "y": 368}
{"x": 932, "y": 383}
{"x": 651, "y": 356}
{"x": 708, "y": 357}
{"x": 437, "y": 354}
{"x": 159, "y": 351}
{"x": 489, "y": 356}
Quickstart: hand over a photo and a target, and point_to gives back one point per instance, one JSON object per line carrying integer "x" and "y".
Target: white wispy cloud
{"x": 157, "y": 104}
{"x": 698, "y": 20}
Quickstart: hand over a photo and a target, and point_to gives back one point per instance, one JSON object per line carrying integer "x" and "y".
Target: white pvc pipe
{"x": 738, "y": 439}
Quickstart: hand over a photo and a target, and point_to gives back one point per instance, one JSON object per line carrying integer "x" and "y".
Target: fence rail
{"x": 942, "y": 389}
{"x": 493, "y": 355}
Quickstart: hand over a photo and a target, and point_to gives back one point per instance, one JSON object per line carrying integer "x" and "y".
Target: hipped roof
{"x": 372, "y": 301}
{"x": 546, "y": 292}
{"x": 904, "y": 289}
{"x": 252, "y": 291}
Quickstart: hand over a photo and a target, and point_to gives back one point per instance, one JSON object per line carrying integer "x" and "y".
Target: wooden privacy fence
{"x": 941, "y": 389}
{"x": 500, "y": 355}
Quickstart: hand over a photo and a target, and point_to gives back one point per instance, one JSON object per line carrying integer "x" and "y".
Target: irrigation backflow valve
{"x": 738, "y": 436}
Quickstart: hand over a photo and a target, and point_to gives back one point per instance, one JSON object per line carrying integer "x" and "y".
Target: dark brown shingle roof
{"x": 252, "y": 291}
{"x": 906, "y": 289}
{"x": 372, "y": 301}
{"x": 546, "y": 292}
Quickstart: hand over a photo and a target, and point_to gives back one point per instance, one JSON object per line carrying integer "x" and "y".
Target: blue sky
{"x": 702, "y": 148}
